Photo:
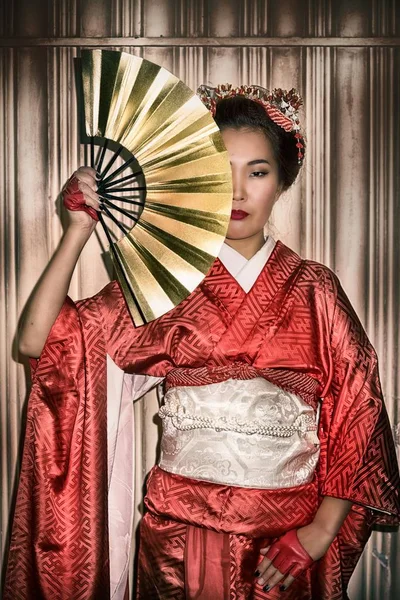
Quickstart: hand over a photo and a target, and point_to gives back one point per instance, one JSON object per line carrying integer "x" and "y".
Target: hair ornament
{"x": 281, "y": 106}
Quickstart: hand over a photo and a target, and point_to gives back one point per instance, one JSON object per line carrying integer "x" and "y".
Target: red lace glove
{"x": 74, "y": 199}
{"x": 289, "y": 556}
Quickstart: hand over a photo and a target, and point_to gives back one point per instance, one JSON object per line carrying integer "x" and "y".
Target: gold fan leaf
{"x": 164, "y": 125}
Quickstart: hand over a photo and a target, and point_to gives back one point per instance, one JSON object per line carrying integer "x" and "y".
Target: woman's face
{"x": 255, "y": 187}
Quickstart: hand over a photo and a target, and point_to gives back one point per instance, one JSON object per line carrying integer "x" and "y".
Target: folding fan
{"x": 171, "y": 198}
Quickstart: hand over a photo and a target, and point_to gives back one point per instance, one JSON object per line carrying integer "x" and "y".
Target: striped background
{"x": 344, "y": 57}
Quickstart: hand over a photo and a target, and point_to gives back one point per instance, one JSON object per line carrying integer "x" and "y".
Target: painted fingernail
{"x": 266, "y": 588}
{"x": 257, "y": 573}
{"x": 282, "y": 588}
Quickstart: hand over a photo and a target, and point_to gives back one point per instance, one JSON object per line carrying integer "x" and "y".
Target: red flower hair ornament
{"x": 280, "y": 105}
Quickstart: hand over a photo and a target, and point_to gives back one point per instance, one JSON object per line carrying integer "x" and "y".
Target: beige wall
{"x": 343, "y": 55}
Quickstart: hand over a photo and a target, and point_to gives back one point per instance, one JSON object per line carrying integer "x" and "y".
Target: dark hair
{"x": 239, "y": 112}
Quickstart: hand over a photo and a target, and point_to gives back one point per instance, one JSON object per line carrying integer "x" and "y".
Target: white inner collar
{"x": 246, "y": 271}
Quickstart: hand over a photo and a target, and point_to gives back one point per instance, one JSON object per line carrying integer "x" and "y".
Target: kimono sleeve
{"x": 360, "y": 461}
{"x": 60, "y": 522}
{"x": 64, "y": 329}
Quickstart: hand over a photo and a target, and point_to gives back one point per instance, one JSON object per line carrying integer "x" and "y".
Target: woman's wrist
{"x": 315, "y": 539}
{"x": 77, "y": 236}
{"x": 325, "y": 529}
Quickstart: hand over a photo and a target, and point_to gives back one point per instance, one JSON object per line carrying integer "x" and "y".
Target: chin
{"x": 232, "y": 236}
{"x": 238, "y": 232}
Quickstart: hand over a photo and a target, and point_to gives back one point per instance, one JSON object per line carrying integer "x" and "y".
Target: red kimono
{"x": 297, "y": 329}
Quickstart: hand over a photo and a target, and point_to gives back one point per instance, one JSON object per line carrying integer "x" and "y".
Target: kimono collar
{"x": 246, "y": 271}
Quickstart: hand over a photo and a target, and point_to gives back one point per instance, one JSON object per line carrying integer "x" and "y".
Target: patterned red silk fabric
{"x": 197, "y": 520}
{"x": 296, "y": 328}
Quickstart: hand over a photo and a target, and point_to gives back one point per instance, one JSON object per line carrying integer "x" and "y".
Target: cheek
{"x": 265, "y": 213}
{"x": 265, "y": 198}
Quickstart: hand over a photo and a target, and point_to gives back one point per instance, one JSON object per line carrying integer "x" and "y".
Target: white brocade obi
{"x": 248, "y": 433}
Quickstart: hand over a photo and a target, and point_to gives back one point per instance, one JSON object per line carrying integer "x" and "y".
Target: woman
{"x": 262, "y": 489}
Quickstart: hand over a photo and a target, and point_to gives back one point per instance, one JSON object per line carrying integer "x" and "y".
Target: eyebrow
{"x": 258, "y": 161}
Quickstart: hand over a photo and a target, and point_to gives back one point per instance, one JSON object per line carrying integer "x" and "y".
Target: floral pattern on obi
{"x": 248, "y": 433}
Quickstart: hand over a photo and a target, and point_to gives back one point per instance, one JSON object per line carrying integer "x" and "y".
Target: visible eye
{"x": 258, "y": 173}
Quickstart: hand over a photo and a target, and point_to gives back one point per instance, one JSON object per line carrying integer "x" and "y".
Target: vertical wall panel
{"x": 127, "y": 18}
{"x": 385, "y": 17}
{"x": 317, "y": 197}
{"x": 189, "y": 65}
{"x": 161, "y": 55}
{"x": 286, "y": 19}
{"x": 285, "y": 71}
{"x": 351, "y": 162}
{"x": 95, "y": 18}
{"x": 353, "y": 18}
{"x": 30, "y": 17}
{"x": 222, "y": 66}
{"x": 224, "y": 18}
{"x": 159, "y": 18}
{"x": 342, "y": 211}
{"x": 10, "y": 405}
{"x": 6, "y": 19}
{"x": 192, "y": 18}
{"x": 255, "y": 66}
{"x": 319, "y": 18}
{"x": 63, "y": 18}
{"x": 255, "y": 17}
{"x": 31, "y": 166}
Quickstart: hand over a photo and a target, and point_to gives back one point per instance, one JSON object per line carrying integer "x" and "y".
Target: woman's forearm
{"x": 49, "y": 294}
{"x": 331, "y": 514}
{"x": 320, "y": 533}
{"x": 47, "y": 298}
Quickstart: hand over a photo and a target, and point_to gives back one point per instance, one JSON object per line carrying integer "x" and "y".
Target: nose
{"x": 238, "y": 186}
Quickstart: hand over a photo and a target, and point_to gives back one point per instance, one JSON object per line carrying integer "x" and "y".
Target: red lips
{"x": 237, "y": 215}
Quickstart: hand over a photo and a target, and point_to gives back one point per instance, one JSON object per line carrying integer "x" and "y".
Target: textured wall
{"x": 344, "y": 57}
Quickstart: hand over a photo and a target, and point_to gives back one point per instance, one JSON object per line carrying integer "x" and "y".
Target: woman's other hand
{"x": 313, "y": 539}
